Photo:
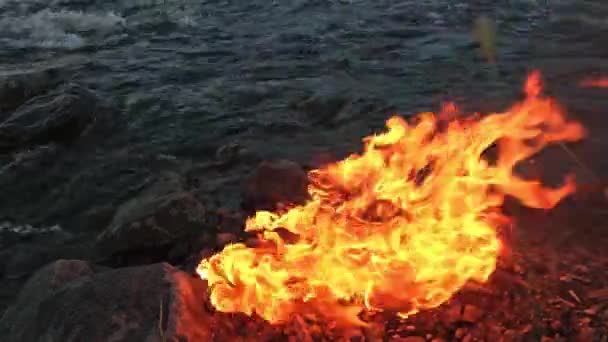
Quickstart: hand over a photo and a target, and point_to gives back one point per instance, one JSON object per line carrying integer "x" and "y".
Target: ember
{"x": 399, "y": 228}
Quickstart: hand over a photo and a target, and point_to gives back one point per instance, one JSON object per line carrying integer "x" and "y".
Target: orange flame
{"x": 595, "y": 82}
{"x": 399, "y": 228}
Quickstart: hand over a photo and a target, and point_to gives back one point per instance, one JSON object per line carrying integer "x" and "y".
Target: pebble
{"x": 509, "y": 336}
{"x": 460, "y": 332}
{"x": 592, "y": 310}
{"x": 472, "y": 313}
{"x": 452, "y": 315}
{"x": 556, "y": 325}
{"x": 581, "y": 269}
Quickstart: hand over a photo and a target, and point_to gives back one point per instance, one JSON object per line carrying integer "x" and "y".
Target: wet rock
{"x": 325, "y": 104}
{"x": 60, "y": 116}
{"x": 230, "y": 153}
{"x": 30, "y": 161}
{"x": 274, "y": 183}
{"x": 38, "y": 287}
{"x": 145, "y": 228}
{"x": 26, "y": 248}
{"x": 24, "y": 258}
{"x": 150, "y": 303}
{"x": 16, "y": 88}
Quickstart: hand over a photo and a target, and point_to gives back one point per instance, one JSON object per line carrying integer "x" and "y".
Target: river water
{"x": 295, "y": 79}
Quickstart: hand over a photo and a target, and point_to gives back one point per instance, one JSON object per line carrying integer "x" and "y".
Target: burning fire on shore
{"x": 400, "y": 227}
{"x": 595, "y": 82}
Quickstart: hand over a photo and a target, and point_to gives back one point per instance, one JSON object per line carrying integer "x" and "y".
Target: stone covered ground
{"x": 550, "y": 283}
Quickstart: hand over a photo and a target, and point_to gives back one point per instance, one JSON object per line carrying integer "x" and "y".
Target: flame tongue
{"x": 401, "y": 227}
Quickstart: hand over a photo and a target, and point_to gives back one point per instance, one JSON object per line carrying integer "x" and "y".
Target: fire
{"x": 400, "y": 227}
{"x": 595, "y": 82}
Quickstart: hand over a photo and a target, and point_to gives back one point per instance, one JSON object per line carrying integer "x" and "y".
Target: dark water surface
{"x": 292, "y": 79}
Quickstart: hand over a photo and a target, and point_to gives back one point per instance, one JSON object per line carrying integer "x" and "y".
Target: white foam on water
{"x": 187, "y": 21}
{"x": 57, "y": 28}
{"x": 27, "y": 229}
{"x": 597, "y": 21}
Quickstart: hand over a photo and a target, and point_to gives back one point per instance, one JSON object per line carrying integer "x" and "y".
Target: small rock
{"x": 556, "y": 325}
{"x": 593, "y": 310}
{"x": 460, "y": 333}
{"x": 585, "y": 321}
{"x": 547, "y": 339}
{"x": 581, "y": 269}
{"x": 517, "y": 268}
{"x": 229, "y": 153}
{"x": 586, "y": 333}
{"x": 472, "y": 313}
{"x": 526, "y": 329}
{"x": 494, "y": 332}
{"x": 510, "y": 335}
{"x": 274, "y": 183}
{"x": 325, "y": 105}
{"x": 452, "y": 314}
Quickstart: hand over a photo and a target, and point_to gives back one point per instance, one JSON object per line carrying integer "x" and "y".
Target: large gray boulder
{"x": 72, "y": 300}
{"x": 59, "y": 116}
{"x": 152, "y": 224}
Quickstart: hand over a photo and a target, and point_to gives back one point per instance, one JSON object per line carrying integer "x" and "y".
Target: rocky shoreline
{"x": 136, "y": 281}
{"x": 549, "y": 287}
{"x": 122, "y": 266}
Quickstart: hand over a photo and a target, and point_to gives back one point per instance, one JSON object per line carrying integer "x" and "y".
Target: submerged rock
{"x": 273, "y": 183}
{"x": 72, "y": 300}
{"x": 60, "y": 116}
